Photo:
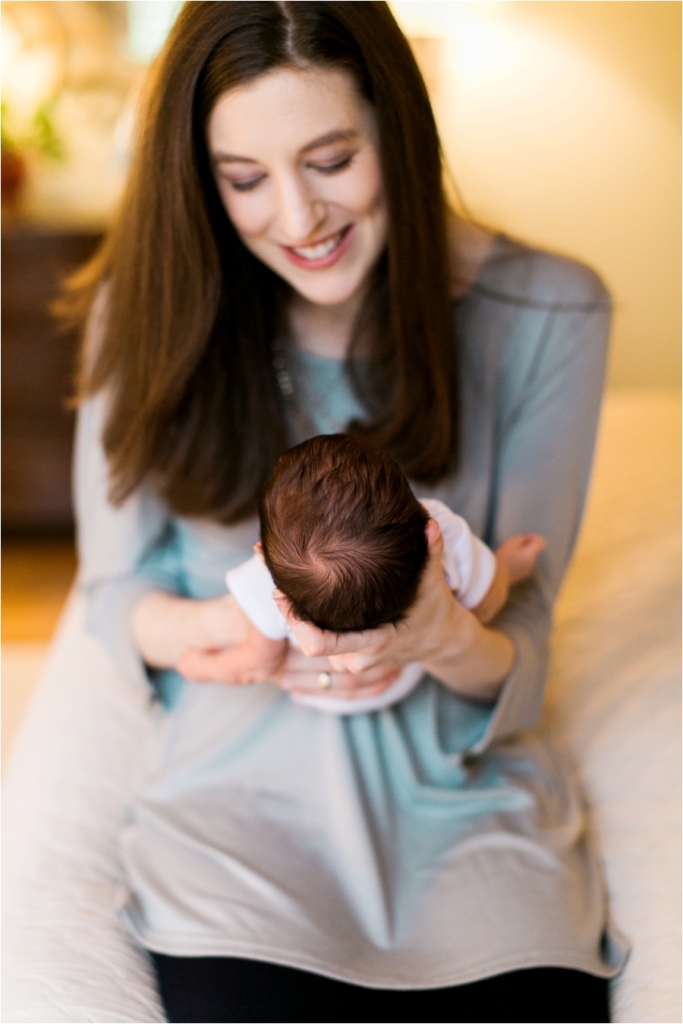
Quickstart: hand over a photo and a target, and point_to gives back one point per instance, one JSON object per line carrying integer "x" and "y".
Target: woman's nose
{"x": 300, "y": 211}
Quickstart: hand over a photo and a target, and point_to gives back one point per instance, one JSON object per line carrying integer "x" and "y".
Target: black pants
{"x": 201, "y": 990}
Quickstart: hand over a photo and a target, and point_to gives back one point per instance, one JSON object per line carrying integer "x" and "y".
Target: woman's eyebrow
{"x": 338, "y": 135}
{"x": 229, "y": 158}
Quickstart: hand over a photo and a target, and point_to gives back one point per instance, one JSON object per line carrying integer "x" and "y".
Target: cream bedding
{"x": 613, "y": 700}
{"x": 614, "y": 693}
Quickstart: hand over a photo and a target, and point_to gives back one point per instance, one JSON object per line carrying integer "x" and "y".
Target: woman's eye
{"x": 245, "y": 186}
{"x": 334, "y": 168}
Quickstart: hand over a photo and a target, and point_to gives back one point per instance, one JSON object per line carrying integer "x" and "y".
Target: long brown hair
{"x": 191, "y": 314}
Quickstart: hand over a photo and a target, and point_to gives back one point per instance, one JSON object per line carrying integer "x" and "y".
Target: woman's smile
{"x": 323, "y": 253}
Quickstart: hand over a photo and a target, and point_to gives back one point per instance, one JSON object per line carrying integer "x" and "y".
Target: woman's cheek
{"x": 357, "y": 200}
{"x": 245, "y": 212}
{"x": 361, "y": 193}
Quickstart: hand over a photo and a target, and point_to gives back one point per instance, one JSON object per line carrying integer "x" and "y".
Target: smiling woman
{"x": 396, "y": 268}
{"x": 285, "y": 265}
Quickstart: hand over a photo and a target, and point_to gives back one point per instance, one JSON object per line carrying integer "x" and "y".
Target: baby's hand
{"x": 254, "y": 661}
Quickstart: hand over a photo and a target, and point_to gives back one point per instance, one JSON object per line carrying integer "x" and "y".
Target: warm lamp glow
{"x": 560, "y": 123}
{"x": 32, "y": 59}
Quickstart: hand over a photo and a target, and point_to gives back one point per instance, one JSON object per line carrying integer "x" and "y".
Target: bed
{"x": 613, "y": 702}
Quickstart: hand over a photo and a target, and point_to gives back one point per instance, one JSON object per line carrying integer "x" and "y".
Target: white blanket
{"x": 613, "y": 700}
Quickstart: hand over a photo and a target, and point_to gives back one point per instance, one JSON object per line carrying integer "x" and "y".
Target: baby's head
{"x": 342, "y": 534}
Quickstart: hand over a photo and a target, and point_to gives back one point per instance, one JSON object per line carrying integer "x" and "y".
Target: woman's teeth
{"x": 322, "y": 249}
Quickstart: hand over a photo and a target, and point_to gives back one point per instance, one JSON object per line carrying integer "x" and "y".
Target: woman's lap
{"x": 207, "y": 989}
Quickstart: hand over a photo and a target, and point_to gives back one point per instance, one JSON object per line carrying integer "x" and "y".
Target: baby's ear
{"x": 258, "y": 550}
{"x": 432, "y": 532}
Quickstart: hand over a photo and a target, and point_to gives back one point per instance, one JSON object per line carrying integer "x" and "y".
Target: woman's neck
{"x": 323, "y": 330}
{"x": 470, "y": 246}
{"x": 327, "y": 330}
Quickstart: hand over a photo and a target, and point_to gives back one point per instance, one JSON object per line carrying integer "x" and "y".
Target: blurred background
{"x": 561, "y": 126}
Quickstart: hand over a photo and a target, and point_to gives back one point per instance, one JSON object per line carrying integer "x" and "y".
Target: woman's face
{"x": 296, "y": 162}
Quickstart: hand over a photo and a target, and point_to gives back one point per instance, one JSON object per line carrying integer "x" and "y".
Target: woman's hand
{"x": 260, "y": 659}
{"x": 254, "y": 661}
{"x": 165, "y": 626}
{"x": 438, "y": 632}
{"x": 214, "y": 641}
{"x": 301, "y": 674}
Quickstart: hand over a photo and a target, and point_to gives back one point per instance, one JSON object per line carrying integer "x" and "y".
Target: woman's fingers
{"x": 316, "y": 643}
{"x": 232, "y": 667}
{"x": 297, "y": 661}
{"x": 300, "y": 674}
{"x": 348, "y": 693}
{"x": 354, "y": 663}
{"x": 209, "y": 666}
{"x": 341, "y": 684}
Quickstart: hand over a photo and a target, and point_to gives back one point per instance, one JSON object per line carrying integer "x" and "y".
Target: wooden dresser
{"x": 37, "y": 370}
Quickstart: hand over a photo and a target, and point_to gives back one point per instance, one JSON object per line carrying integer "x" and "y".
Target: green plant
{"x": 38, "y": 133}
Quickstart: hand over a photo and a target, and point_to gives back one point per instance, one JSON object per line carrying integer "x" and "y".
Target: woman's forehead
{"x": 290, "y": 108}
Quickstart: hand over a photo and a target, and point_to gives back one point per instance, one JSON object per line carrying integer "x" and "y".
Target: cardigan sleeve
{"x": 124, "y": 551}
{"x": 549, "y": 393}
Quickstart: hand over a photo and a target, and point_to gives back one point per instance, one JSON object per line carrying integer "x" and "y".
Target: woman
{"x": 284, "y": 265}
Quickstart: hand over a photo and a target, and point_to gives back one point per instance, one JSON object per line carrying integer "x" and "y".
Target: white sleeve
{"x": 468, "y": 564}
{"x": 252, "y": 587}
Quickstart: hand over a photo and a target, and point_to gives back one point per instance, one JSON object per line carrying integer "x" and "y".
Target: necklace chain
{"x": 284, "y": 381}
{"x": 304, "y": 423}
{"x": 282, "y": 375}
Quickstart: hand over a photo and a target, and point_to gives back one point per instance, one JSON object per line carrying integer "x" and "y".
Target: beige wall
{"x": 561, "y": 123}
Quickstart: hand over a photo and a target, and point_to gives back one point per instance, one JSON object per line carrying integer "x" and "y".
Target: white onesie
{"x": 468, "y": 565}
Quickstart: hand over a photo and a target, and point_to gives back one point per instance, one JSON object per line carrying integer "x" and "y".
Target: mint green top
{"x": 432, "y": 843}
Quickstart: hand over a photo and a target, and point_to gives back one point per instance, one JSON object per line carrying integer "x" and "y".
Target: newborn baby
{"x": 343, "y": 538}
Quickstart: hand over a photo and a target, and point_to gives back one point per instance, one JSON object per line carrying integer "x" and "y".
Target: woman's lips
{"x": 323, "y": 253}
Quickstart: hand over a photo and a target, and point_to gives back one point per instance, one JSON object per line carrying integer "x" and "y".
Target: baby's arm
{"x": 254, "y": 661}
{"x": 515, "y": 560}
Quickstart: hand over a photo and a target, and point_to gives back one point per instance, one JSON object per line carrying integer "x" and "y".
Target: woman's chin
{"x": 322, "y": 290}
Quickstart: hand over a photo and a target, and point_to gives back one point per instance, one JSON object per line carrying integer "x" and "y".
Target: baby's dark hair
{"x": 343, "y": 534}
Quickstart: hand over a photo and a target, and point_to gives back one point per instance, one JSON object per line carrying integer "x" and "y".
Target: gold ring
{"x": 325, "y": 680}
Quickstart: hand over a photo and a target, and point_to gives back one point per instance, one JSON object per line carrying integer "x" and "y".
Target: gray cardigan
{"x": 429, "y": 844}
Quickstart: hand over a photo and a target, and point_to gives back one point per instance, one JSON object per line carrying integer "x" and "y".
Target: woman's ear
{"x": 258, "y": 550}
